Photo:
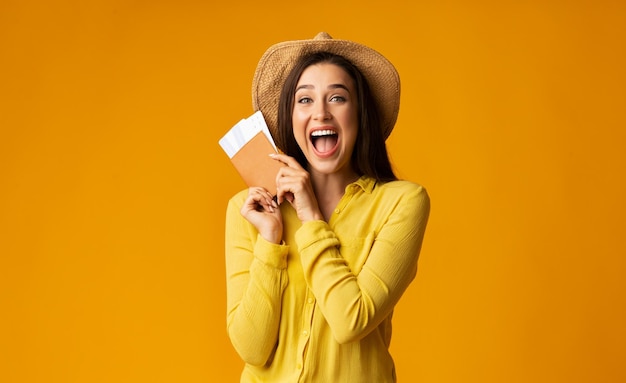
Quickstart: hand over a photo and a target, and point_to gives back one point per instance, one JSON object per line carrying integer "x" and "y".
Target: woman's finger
{"x": 263, "y": 213}
{"x": 259, "y": 197}
{"x": 287, "y": 160}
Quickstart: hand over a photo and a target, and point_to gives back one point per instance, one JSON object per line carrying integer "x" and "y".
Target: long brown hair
{"x": 369, "y": 156}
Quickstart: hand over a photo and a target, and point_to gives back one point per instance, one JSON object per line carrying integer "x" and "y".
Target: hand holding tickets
{"x": 248, "y": 144}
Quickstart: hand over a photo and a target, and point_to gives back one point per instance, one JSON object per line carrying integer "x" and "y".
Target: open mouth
{"x": 324, "y": 141}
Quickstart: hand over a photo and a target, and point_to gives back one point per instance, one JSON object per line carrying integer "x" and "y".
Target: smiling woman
{"x": 369, "y": 155}
{"x": 314, "y": 276}
{"x": 325, "y": 121}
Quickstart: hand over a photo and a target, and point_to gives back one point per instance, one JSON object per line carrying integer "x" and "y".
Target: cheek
{"x": 351, "y": 127}
{"x": 298, "y": 129}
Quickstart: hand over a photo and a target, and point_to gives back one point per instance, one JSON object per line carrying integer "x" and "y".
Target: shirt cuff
{"x": 271, "y": 254}
{"x": 315, "y": 232}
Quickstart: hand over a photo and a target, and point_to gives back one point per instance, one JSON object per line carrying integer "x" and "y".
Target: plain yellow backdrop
{"x": 113, "y": 187}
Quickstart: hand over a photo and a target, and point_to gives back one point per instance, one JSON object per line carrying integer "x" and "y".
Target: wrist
{"x": 313, "y": 217}
{"x": 272, "y": 237}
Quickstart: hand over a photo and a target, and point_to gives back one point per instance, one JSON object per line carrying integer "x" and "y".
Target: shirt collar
{"x": 366, "y": 183}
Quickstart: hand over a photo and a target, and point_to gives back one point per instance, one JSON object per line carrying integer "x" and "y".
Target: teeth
{"x": 319, "y": 133}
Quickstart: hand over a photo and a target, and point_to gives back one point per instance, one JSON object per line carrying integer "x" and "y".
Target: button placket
{"x": 306, "y": 330}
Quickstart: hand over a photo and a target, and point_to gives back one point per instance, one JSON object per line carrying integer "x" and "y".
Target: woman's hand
{"x": 293, "y": 184}
{"x": 263, "y": 213}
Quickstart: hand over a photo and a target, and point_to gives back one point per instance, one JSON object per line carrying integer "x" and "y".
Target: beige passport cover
{"x": 254, "y": 164}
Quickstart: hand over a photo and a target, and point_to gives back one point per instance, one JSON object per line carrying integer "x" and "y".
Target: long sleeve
{"x": 256, "y": 278}
{"x": 354, "y": 303}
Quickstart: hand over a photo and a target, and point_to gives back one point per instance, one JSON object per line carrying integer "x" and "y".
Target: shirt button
{"x": 310, "y": 300}
{"x": 299, "y": 366}
{"x": 305, "y": 333}
{"x": 337, "y": 211}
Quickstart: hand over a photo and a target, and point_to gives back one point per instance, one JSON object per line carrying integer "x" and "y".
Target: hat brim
{"x": 277, "y": 62}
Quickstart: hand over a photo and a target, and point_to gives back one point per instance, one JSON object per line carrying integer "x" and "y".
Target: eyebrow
{"x": 331, "y": 86}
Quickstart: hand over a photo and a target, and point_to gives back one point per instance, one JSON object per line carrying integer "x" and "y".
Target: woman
{"x": 313, "y": 276}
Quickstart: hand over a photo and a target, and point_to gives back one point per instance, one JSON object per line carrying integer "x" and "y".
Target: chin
{"x": 327, "y": 168}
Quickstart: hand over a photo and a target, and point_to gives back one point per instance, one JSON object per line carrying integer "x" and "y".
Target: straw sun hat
{"x": 279, "y": 59}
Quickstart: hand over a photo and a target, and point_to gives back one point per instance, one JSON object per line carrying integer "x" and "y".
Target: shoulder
{"x": 404, "y": 194}
{"x": 239, "y": 197}
{"x": 401, "y": 188}
{"x": 236, "y": 201}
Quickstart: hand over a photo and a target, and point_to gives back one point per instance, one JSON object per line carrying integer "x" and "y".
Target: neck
{"x": 329, "y": 188}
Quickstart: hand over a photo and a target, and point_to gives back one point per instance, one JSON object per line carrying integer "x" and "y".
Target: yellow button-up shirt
{"x": 318, "y": 307}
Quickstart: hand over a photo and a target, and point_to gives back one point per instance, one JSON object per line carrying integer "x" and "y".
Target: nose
{"x": 321, "y": 112}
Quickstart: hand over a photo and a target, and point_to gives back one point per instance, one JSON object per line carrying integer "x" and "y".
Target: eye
{"x": 337, "y": 99}
{"x": 305, "y": 100}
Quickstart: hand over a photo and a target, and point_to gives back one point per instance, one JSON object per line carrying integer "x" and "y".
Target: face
{"x": 325, "y": 118}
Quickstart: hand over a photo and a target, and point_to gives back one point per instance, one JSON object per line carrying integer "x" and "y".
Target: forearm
{"x": 256, "y": 278}
{"x": 352, "y": 304}
{"x": 355, "y": 301}
{"x": 254, "y": 310}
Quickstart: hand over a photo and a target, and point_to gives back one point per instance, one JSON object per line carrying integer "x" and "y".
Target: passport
{"x": 249, "y": 144}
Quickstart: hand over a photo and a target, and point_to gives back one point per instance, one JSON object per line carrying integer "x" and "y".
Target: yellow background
{"x": 113, "y": 187}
